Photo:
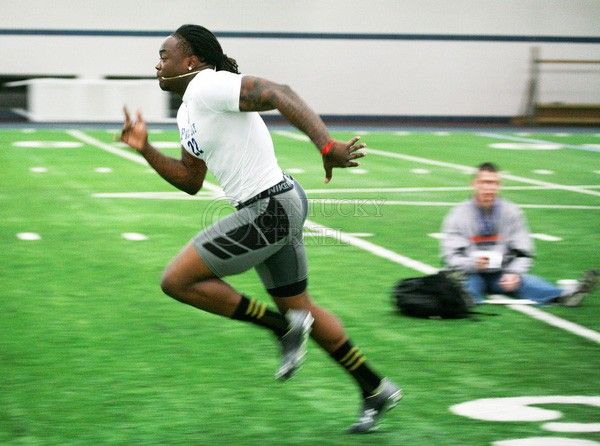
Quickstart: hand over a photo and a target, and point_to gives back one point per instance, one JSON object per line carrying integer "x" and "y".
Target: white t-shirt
{"x": 236, "y": 146}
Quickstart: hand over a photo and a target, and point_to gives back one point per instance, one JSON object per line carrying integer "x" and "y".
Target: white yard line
{"x": 334, "y": 233}
{"x": 129, "y": 155}
{"x": 460, "y": 167}
{"x": 548, "y": 318}
{"x": 207, "y": 196}
{"x": 385, "y": 202}
{"x": 499, "y": 299}
{"x": 425, "y": 189}
{"x": 373, "y": 249}
{"x": 424, "y": 268}
{"x": 558, "y": 322}
{"x": 379, "y": 251}
{"x": 292, "y": 135}
{"x": 470, "y": 170}
{"x": 537, "y": 141}
{"x": 202, "y": 196}
{"x": 378, "y": 190}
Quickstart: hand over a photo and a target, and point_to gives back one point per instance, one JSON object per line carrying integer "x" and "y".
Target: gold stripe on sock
{"x": 353, "y": 360}
{"x": 347, "y": 355}
{"x": 250, "y": 308}
{"x": 352, "y": 351}
{"x": 261, "y": 310}
{"x": 355, "y": 356}
{"x": 357, "y": 364}
{"x": 256, "y": 309}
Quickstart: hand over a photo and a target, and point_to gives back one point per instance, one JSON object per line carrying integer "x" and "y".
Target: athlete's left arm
{"x": 186, "y": 174}
{"x": 257, "y": 94}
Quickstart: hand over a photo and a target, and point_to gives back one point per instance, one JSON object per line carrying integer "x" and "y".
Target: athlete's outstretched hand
{"x": 134, "y": 133}
{"x": 342, "y": 154}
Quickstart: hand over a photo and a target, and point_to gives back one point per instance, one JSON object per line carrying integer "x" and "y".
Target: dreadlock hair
{"x": 200, "y": 42}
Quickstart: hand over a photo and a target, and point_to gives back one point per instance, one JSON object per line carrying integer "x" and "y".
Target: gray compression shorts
{"x": 265, "y": 235}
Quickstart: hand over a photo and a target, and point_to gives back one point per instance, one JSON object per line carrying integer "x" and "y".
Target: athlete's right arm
{"x": 186, "y": 174}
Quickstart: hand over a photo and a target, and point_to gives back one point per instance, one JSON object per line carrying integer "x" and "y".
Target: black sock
{"x": 256, "y": 312}
{"x": 351, "y": 359}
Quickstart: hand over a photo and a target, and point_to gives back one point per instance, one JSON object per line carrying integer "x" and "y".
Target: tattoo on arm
{"x": 258, "y": 94}
{"x": 255, "y": 94}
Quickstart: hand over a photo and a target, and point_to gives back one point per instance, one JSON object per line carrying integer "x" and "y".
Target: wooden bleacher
{"x": 556, "y": 113}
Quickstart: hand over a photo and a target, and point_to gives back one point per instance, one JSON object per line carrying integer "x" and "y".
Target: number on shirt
{"x": 193, "y": 145}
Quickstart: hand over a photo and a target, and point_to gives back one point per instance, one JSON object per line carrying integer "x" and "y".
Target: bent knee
{"x": 170, "y": 286}
{"x": 300, "y": 301}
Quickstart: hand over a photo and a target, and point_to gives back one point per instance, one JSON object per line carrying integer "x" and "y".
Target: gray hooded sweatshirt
{"x": 504, "y": 230}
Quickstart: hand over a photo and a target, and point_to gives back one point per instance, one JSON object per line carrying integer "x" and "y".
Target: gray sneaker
{"x": 293, "y": 343}
{"x": 587, "y": 284}
{"x": 385, "y": 397}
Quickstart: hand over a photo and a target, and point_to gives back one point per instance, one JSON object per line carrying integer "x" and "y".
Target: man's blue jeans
{"x": 532, "y": 287}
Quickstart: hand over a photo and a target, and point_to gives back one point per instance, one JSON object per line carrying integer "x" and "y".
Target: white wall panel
{"x": 337, "y": 76}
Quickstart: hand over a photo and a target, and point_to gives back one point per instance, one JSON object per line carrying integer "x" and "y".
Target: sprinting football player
{"x": 222, "y": 132}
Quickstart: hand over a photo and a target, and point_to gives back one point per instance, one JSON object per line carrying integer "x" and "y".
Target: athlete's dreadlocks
{"x": 201, "y": 42}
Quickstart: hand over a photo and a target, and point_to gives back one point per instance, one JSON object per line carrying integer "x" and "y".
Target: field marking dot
{"x": 295, "y": 170}
{"x": 39, "y": 169}
{"x": 358, "y": 171}
{"x": 546, "y": 237}
{"x": 420, "y": 171}
{"x": 437, "y": 235}
{"x": 524, "y": 146}
{"x": 134, "y": 236}
{"x": 48, "y": 144}
{"x": 543, "y": 171}
{"x": 103, "y": 170}
{"x": 28, "y": 236}
{"x": 571, "y": 427}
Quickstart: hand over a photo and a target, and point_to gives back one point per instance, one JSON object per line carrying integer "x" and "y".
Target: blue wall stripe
{"x": 323, "y": 36}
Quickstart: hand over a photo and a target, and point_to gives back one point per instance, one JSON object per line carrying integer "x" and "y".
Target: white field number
{"x": 523, "y": 409}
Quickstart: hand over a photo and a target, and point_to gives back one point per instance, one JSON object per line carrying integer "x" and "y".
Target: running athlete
{"x": 221, "y": 131}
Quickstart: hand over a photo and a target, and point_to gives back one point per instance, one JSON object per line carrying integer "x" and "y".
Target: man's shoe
{"x": 385, "y": 397}
{"x": 587, "y": 284}
{"x": 293, "y": 343}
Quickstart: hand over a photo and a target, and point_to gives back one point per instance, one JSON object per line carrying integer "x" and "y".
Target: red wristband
{"x": 327, "y": 147}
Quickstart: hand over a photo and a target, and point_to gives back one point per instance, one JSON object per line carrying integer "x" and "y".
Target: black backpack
{"x": 439, "y": 295}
